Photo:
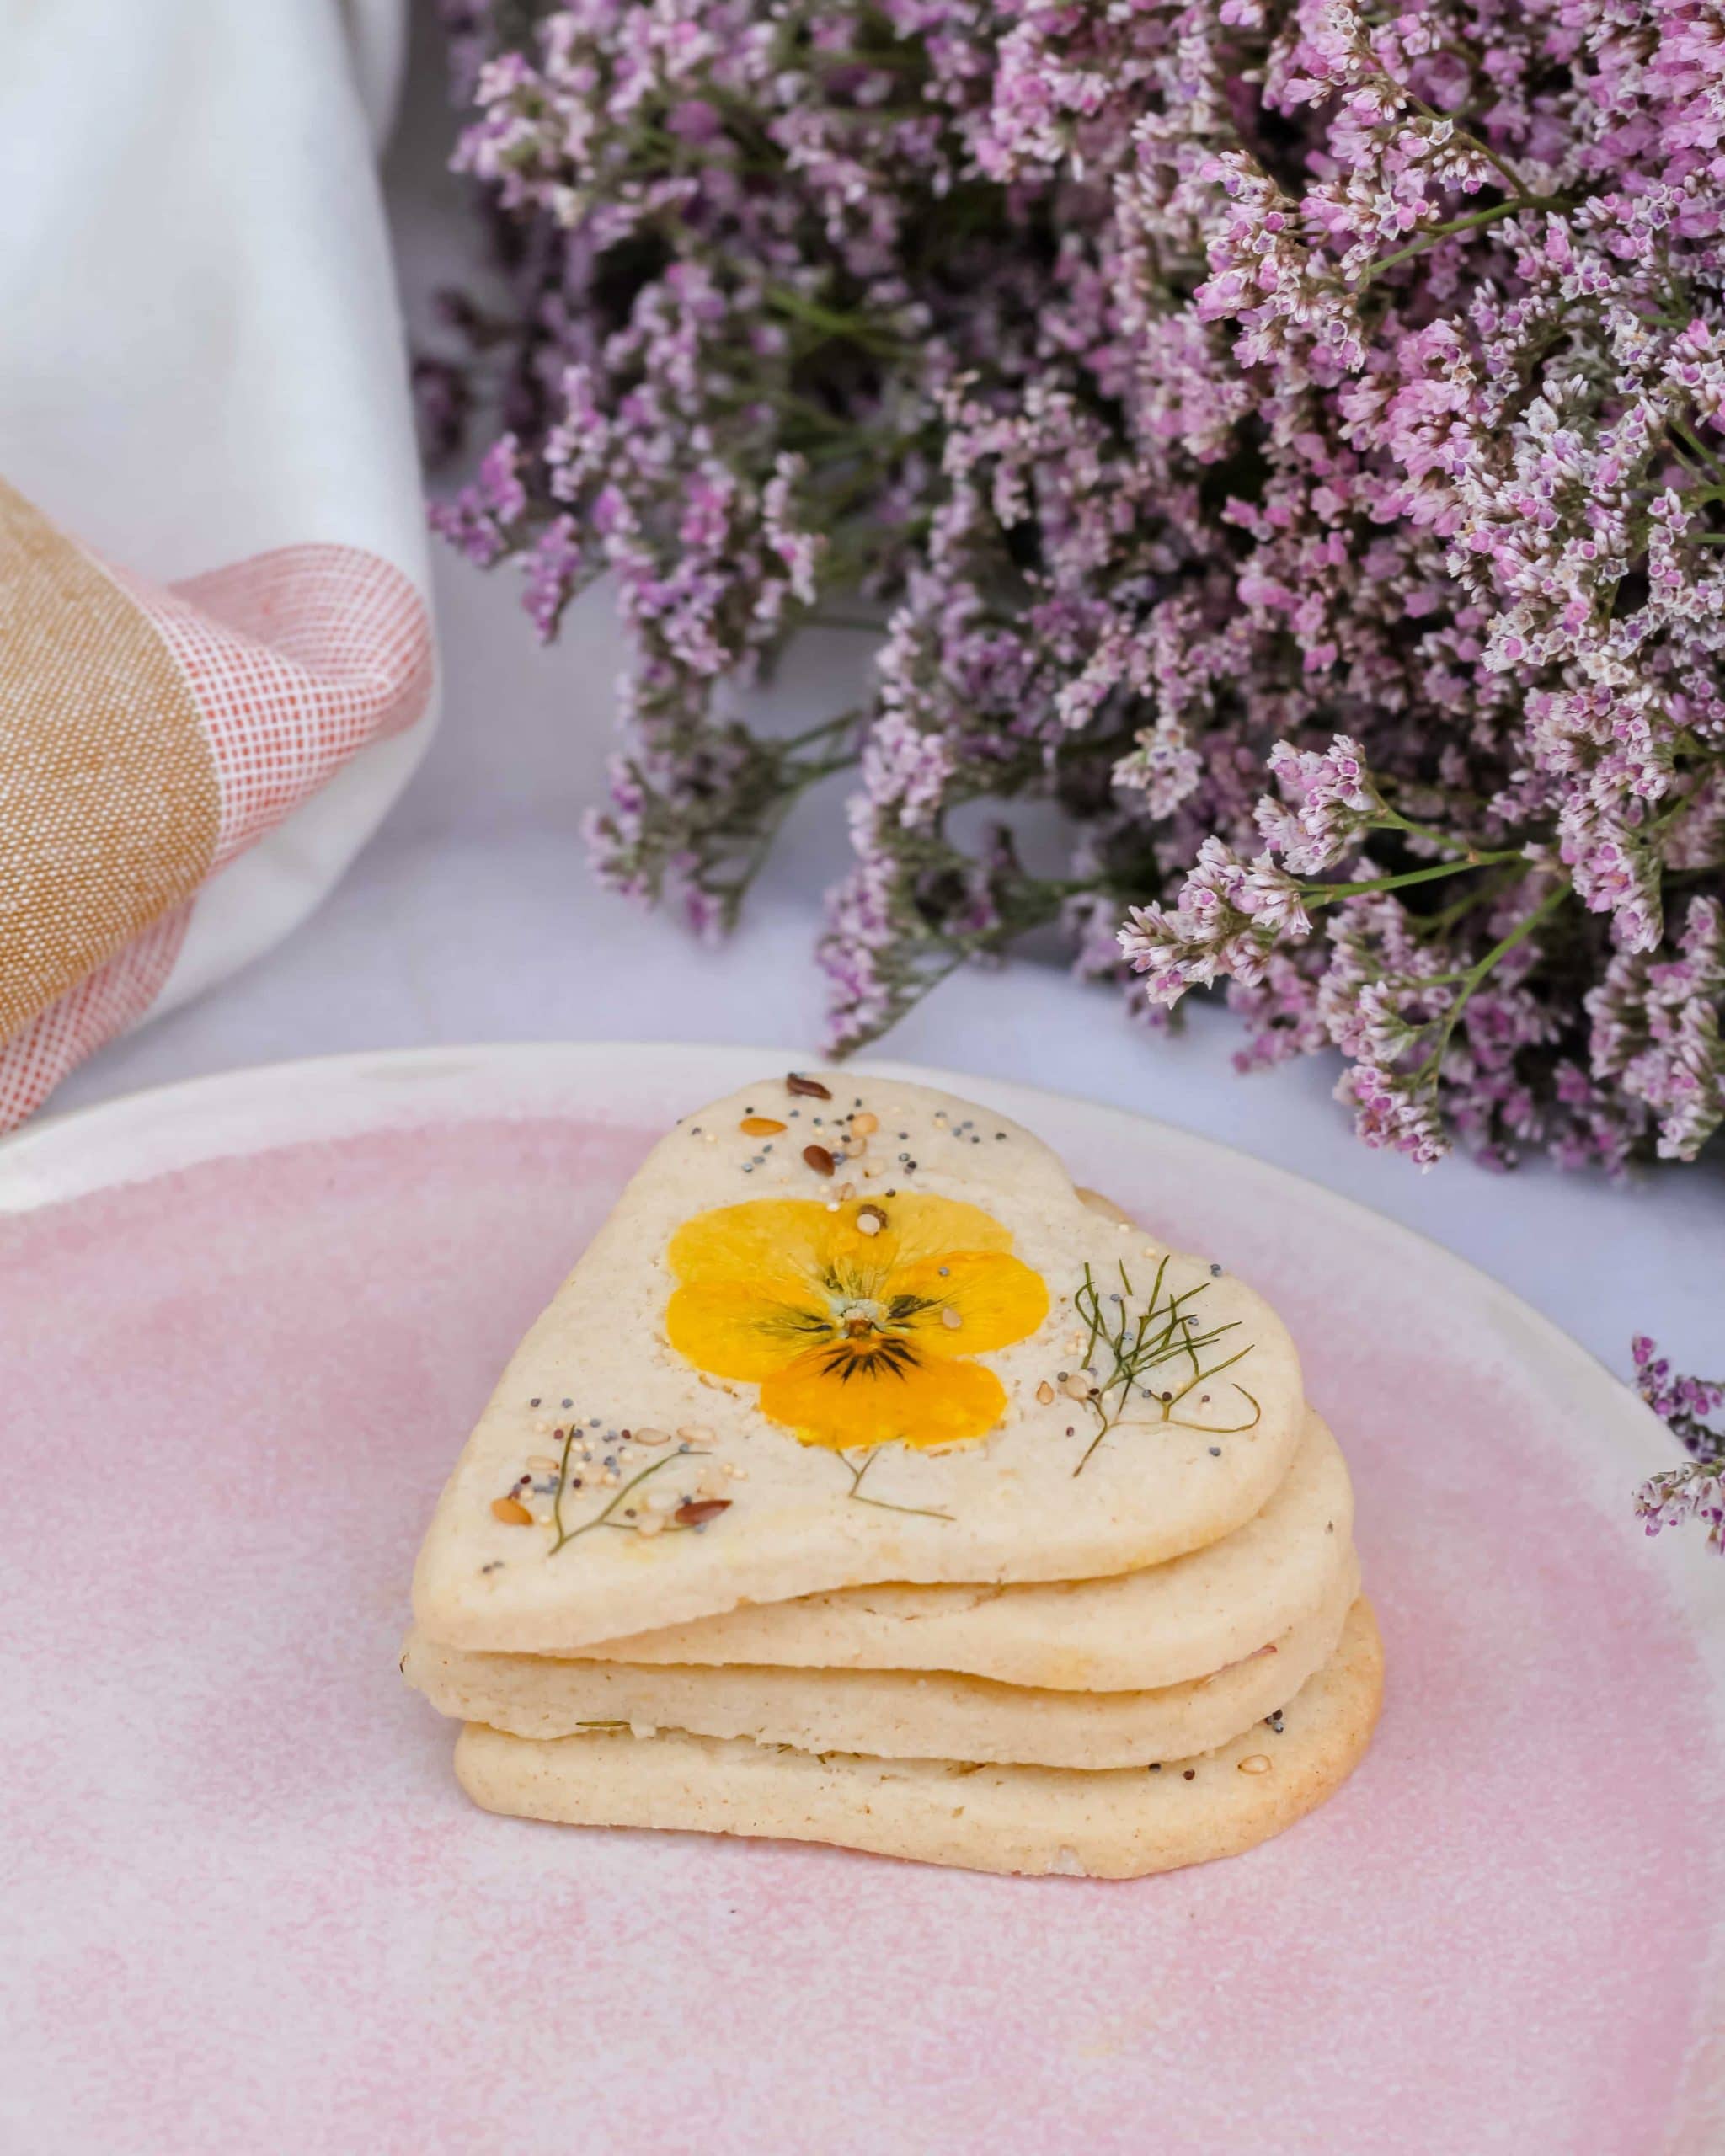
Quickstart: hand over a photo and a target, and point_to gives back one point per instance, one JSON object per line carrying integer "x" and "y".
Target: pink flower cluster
{"x": 1696, "y": 1490}
{"x": 1286, "y": 435}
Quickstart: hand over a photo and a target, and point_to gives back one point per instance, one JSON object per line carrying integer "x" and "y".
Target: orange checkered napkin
{"x": 148, "y": 735}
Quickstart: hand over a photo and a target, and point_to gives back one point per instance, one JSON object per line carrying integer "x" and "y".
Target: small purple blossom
{"x": 1228, "y": 916}
{"x": 1327, "y": 801}
{"x": 1684, "y": 1402}
{"x": 1696, "y": 1490}
{"x": 1676, "y": 1495}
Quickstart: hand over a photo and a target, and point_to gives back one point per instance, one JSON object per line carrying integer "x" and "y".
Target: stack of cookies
{"x": 869, "y": 1483}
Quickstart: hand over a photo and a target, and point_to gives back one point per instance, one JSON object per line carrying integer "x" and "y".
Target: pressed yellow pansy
{"x": 857, "y": 1323}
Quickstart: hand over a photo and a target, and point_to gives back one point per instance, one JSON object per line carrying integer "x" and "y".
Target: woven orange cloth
{"x": 149, "y": 734}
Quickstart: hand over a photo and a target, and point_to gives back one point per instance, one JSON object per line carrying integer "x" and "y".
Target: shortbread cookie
{"x": 1119, "y": 1824}
{"x": 890, "y": 1714}
{"x": 1134, "y": 1632}
{"x": 841, "y": 1330}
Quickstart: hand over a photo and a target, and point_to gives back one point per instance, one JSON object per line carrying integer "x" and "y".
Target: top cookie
{"x": 840, "y": 1329}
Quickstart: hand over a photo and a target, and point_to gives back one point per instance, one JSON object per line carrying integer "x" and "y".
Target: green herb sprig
{"x": 881, "y": 1504}
{"x": 1165, "y": 1331}
{"x": 562, "y": 1534}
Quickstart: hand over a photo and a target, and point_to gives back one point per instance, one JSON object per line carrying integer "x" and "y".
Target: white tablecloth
{"x": 472, "y": 916}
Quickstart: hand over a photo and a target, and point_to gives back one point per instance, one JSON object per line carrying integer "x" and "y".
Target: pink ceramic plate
{"x": 244, "y": 1325}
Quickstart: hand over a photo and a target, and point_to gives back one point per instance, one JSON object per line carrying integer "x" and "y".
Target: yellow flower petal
{"x": 998, "y": 1300}
{"x": 732, "y": 1330}
{"x": 775, "y": 1242}
{"x": 919, "y": 1226}
{"x": 911, "y": 1403}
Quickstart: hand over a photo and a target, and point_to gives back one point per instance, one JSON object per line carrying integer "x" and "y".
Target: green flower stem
{"x": 796, "y": 776}
{"x": 1476, "y": 974}
{"x": 857, "y": 328}
{"x": 823, "y": 731}
{"x": 1709, "y": 457}
{"x": 572, "y": 1534}
{"x": 1329, "y": 894}
{"x": 1391, "y": 820}
{"x": 881, "y": 1504}
{"x": 1430, "y": 237}
{"x": 1431, "y": 925}
{"x": 909, "y": 63}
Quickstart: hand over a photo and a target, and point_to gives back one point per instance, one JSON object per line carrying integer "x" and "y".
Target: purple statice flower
{"x": 1284, "y": 439}
{"x": 482, "y": 518}
{"x": 1394, "y": 1112}
{"x": 1227, "y": 917}
{"x": 1327, "y": 801}
{"x": 1656, "y": 1030}
{"x": 1696, "y": 1489}
{"x": 1676, "y": 1495}
{"x": 1684, "y": 1402}
{"x": 556, "y": 569}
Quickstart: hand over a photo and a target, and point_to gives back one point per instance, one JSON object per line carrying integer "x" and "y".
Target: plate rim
{"x": 32, "y": 1150}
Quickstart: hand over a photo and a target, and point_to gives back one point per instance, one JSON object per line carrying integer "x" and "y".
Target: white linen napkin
{"x": 215, "y": 658}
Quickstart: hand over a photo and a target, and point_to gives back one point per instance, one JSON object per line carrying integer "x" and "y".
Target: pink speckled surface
{"x": 247, "y": 1909}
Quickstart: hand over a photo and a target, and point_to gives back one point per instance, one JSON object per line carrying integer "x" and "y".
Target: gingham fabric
{"x": 149, "y": 736}
{"x": 215, "y": 665}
